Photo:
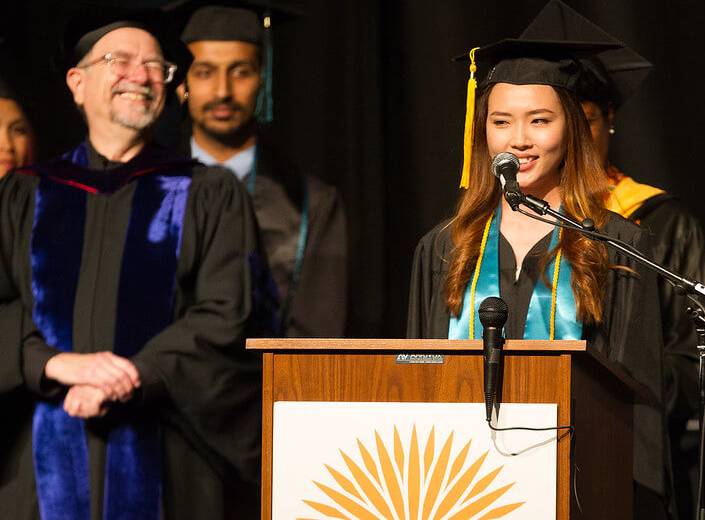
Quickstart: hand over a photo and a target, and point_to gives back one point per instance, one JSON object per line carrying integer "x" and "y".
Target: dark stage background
{"x": 367, "y": 98}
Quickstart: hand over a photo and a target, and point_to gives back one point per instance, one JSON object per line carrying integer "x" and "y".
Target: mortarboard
{"x": 219, "y": 23}
{"x": 525, "y": 62}
{"x": 613, "y": 74}
{"x": 279, "y": 10}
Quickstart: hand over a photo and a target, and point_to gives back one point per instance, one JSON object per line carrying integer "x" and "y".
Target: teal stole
{"x": 552, "y": 310}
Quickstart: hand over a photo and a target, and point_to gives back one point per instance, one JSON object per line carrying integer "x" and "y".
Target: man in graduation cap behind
{"x": 301, "y": 219}
{"x": 124, "y": 292}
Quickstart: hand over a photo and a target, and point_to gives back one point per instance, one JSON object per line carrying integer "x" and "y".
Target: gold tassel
{"x": 469, "y": 117}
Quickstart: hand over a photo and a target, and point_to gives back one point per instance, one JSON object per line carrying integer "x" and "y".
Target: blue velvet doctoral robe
{"x": 197, "y": 380}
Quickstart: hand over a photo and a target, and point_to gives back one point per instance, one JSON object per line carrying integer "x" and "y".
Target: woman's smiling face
{"x": 528, "y": 121}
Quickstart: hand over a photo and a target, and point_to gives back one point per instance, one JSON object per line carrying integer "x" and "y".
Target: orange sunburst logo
{"x": 401, "y": 483}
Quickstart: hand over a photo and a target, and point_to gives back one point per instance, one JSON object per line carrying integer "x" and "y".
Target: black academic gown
{"x": 318, "y": 305}
{"x": 629, "y": 335}
{"x": 196, "y": 377}
{"x": 679, "y": 244}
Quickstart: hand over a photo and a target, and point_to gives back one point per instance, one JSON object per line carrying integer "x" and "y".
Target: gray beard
{"x": 134, "y": 121}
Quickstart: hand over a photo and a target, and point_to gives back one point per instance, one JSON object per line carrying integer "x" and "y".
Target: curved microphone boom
{"x": 493, "y": 314}
{"x": 505, "y": 166}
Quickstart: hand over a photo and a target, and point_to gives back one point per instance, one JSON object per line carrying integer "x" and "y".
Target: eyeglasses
{"x": 121, "y": 65}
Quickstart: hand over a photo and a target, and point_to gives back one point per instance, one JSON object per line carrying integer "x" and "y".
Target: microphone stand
{"x": 698, "y": 317}
{"x": 587, "y": 227}
{"x": 683, "y": 285}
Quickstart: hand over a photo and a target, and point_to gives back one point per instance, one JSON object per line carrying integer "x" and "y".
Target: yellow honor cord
{"x": 554, "y": 291}
{"x": 476, "y": 276}
{"x": 469, "y": 122}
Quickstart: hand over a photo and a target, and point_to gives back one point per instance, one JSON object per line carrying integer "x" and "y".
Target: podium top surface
{"x": 409, "y": 345}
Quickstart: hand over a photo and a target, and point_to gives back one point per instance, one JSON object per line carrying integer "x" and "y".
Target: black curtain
{"x": 367, "y": 98}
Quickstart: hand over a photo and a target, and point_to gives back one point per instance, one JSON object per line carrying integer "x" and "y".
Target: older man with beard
{"x": 124, "y": 293}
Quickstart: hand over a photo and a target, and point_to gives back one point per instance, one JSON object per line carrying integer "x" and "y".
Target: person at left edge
{"x": 16, "y": 135}
{"x": 124, "y": 294}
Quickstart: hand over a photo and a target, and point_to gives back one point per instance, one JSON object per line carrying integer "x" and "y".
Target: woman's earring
{"x": 186, "y": 96}
{"x": 612, "y": 131}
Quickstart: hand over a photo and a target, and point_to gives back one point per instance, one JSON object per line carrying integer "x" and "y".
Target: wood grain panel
{"x": 602, "y": 414}
{"x": 267, "y": 429}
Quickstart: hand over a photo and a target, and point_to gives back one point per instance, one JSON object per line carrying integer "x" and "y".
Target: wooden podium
{"x": 591, "y": 394}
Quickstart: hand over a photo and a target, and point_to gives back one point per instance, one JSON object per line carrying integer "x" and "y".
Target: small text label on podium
{"x": 420, "y": 359}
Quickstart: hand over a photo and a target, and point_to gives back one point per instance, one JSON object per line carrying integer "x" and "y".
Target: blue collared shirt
{"x": 240, "y": 164}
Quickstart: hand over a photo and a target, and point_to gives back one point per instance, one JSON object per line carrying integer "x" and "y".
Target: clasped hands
{"x": 95, "y": 381}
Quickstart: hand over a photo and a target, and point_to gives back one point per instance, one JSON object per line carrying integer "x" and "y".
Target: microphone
{"x": 505, "y": 166}
{"x": 493, "y": 314}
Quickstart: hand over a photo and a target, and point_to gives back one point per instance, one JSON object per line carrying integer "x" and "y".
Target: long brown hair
{"x": 583, "y": 188}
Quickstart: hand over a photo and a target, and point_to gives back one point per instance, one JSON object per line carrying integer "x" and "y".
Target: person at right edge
{"x": 676, "y": 235}
{"x": 301, "y": 219}
{"x": 560, "y": 284}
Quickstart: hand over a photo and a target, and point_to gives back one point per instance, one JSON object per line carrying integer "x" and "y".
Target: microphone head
{"x": 493, "y": 312}
{"x": 505, "y": 166}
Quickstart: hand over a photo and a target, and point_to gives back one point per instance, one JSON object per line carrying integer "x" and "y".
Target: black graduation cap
{"x": 276, "y": 11}
{"x": 536, "y": 62}
{"x": 220, "y": 23}
{"x": 88, "y": 23}
{"x": 525, "y": 62}
{"x": 236, "y": 20}
{"x": 614, "y": 73}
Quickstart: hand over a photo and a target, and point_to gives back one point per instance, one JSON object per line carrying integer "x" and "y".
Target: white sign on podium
{"x": 412, "y": 461}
